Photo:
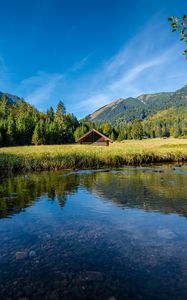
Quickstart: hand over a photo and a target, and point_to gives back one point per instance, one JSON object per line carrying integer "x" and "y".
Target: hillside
{"x": 139, "y": 108}
{"x": 169, "y": 122}
{"x": 12, "y": 99}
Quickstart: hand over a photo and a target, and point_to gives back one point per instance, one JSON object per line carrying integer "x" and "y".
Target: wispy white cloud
{"x": 98, "y": 100}
{"x": 80, "y": 64}
{"x": 150, "y": 62}
{"x": 133, "y": 73}
{"x": 39, "y": 89}
{"x": 4, "y": 74}
{"x": 125, "y": 84}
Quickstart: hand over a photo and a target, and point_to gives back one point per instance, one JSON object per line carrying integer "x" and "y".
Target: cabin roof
{"x": 97, "y": 132}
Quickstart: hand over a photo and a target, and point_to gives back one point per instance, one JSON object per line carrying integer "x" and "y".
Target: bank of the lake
{"x": 58, "y": 157}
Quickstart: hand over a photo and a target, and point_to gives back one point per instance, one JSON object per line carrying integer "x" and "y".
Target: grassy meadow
{"x": 54, "y": 157}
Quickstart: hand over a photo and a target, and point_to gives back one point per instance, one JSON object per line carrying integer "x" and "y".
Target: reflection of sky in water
{"x": 119, "y": 234}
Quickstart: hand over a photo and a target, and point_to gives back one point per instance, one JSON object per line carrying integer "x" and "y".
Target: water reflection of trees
{"x": 22, "y": 191}
{"x": 165, "y": 192}
{"x": 151, "y": 191}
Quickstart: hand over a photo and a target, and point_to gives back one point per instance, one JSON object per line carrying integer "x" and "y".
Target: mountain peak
{"x": 183, "y": 89}
{"x": 141, "y": 107}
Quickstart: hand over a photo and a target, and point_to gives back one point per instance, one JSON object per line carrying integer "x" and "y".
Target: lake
{"x": 108, "y": 234}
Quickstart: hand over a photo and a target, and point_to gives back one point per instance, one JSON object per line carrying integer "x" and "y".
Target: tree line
{"x": 23, "y": 124}
{"x": 169, "y": 123}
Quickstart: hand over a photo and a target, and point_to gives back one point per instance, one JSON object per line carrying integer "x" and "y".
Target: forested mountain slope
{"x": 170, "y": 122}
{"x": 127, "y": 110}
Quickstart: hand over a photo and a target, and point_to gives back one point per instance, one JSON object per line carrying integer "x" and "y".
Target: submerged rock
{"x": 21, "y": 255}
{"x": 93, "y": 276}
{"x": 32, "y": 254}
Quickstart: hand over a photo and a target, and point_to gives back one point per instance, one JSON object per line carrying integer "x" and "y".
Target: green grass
{"x": 36, "y": 158}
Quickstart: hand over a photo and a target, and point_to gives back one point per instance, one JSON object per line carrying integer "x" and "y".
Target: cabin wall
{"x": 95, "y": 139}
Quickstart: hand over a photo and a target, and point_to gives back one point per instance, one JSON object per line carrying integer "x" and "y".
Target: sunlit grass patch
{"x": 54, "y": 157}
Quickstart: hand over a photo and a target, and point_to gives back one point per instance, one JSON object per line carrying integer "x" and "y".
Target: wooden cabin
{"x": 94, "y": 137}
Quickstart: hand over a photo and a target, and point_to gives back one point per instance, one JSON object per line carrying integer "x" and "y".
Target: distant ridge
{"x": 12, "y": 99}
{"x": 140, "y": 107}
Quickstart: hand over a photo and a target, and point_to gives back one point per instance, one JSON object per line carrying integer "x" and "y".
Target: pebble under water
{"x": 108, "y": 234}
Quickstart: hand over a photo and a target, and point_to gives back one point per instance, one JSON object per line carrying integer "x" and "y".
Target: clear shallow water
{"x": 94, "y": 235}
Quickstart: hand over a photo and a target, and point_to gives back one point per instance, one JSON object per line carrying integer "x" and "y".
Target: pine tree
{"x": 137, "y": 130}
{"x": 120, "y": 137}
{"x": 61, "y": 108}
{"x": 50, "y": 114}
{"x": 10, "y": 131}
{"x": 36, "y": 136}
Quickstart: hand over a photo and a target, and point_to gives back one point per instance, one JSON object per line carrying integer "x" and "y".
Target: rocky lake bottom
{"x": 106, "y": 234}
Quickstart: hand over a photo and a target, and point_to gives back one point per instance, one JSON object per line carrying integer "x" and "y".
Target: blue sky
{"x": 89, "y": 53}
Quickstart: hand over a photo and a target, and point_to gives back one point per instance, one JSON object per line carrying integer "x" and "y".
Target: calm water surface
{"x": 107, "y": 235}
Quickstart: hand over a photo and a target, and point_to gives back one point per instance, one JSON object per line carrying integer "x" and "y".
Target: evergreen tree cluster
{"x": 168, "y": 123}
{"x": 22, "y": 124}
{"x": 120, "y": 132}
{"x": 171, "y": 122}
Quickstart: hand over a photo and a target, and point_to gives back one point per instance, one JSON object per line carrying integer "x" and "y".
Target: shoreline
{"x": 81, "y": 157}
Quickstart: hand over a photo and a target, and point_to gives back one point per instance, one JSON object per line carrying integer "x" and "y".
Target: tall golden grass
{"x": 56, "y": 157}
